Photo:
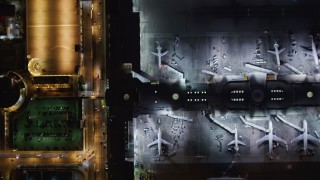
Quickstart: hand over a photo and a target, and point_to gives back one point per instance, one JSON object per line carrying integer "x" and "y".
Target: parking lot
{"x": 48, "y": 124}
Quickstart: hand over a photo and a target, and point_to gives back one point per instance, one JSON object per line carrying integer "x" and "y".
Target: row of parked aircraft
{"x": 270, "y": 137}
{"x": 311, "y": 51}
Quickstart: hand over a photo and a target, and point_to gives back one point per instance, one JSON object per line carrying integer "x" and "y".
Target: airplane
{"x": 314, "y": 51}
{"x": 159, "y": 141}
{"x": 159, "y": 54}
{"x": 236, "y": 142}
{"x": 305, "y": 137}
{"x": 270, "y": 137}
{"x": 277, "y": 52}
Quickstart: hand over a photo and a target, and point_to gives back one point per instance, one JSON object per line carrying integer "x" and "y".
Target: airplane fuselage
{"x": 270, "y": 137}
{"x": 236, "y": 142}
{"x": 159, "y": 55}
{"x": 159, "y": 142}
{"x": 276, "y": 46}
{"x": 236, "y": 145}
{"x": 305, "y": 137}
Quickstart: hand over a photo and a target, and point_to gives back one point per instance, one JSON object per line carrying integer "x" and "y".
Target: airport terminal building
{"x": 213, "y": 89}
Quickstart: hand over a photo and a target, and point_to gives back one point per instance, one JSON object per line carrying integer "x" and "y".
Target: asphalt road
{"x": 93, "y": 73}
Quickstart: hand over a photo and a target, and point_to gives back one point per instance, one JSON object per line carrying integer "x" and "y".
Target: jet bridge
{"x": 289, "y": 123}
{"x": 253, "y": 125}
{"x": 180, "y": 117}
{"x": 221, "y": 125}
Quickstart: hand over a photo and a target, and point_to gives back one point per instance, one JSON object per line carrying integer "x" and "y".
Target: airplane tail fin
{"x": 237, "y": 154}
{"x": 307, "y": 151}
{"x": 270, "y": 155}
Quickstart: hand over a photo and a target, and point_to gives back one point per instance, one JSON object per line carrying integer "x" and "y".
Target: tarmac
{"x": 222, "y": 46}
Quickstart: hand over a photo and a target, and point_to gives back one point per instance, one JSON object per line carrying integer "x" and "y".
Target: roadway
{"x": 94, "y": 75}
{"x": 10, "y": 160}
{"x": 98, "y": 44}
{"x": 92, "y": 70}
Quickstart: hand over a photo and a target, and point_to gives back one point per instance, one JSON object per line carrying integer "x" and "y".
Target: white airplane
{"x": 159, "y": 54}
{"x": 305, "y": 137}
{"x": 270, "y": 137}
{"x": 236, "y": 142}
{"x": 277, "y": 52}
{"x": 314, "y": 51}
{"x": 159, "y": 141}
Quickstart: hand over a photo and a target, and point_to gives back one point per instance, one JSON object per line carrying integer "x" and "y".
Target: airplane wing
{"x": 298, "y": 138}
{"x": 152, "y": 143}
{"x": 231, "y": 143}
{"x": 263, "y": 139}
{"x": 164, "y": 53}
{"x": 313, "y": 139}
{"x": 281, "y": 50}
{"x": 166, "y": 143}
{"x": 272, "y": 52}
{"x": 156, "y": 54}
{"x": 241, "y": 143}
{"x": 276, "y": 138}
